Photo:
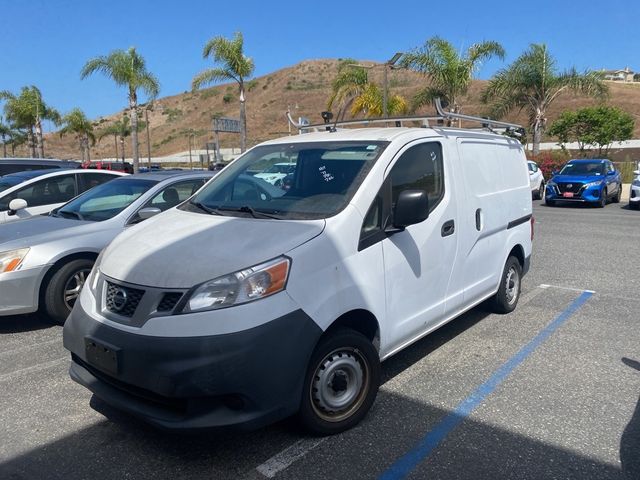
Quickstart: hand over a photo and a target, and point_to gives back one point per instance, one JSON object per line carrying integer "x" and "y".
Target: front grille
{"x": 570, "y": 187}
{"x": 122, "y": 300}
{"x": 169, "y": 301}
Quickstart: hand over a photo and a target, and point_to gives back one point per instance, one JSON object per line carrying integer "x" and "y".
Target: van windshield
{"x": 320, "y": 179}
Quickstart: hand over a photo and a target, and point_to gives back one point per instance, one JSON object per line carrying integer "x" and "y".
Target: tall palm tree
{"x": 120, "y": 129}
{"x": 127, "y": 69}
{"x": 349, "y": 83}
{"x": 449, "y": 72}
{"x": 5, "y": 131}
{"x": 76, "y": 122}
{"x": 234, "y": 66}
{"x": 532, "y": 83}
{"x": 28, "y": 110}
{"x": 370, "y": 103}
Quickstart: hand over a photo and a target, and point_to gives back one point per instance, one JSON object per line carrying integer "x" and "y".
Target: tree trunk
{"x": 82, "y": 153}
{"x": 4, "y": 147}
{"x": 133, "y": 112}
{"x": 31, "y": 141}
{"x": 537, "y": 136}
{"x": 115, "y": 142}
{"x": 39, "y": 141}
{"x": 86, "y": 139}
{"x": 243, "y": 121}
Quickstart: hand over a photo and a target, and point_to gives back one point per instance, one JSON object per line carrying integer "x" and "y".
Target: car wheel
{"x": 64, "y": 288}
{"x": 508, "y": 293}
{"x": 541, "y": 191}
{"x": 634, "y": 205}
{"x": 341, "y": 383}
{"x": 550, "y": 203}
{"x": 603, "y": 199}
{"x": 616, "y": 198}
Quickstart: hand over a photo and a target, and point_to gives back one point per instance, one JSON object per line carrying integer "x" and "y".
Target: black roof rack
{"x": 442, "y": 115}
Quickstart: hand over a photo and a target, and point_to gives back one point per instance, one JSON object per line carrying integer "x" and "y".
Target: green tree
{"x": 234, "y": 65}
{"x": 593, "y": 126}
{"x": 27, "y": 111}
{"x": 120, "y": 129}
{"x": 5, "y": 132}
{"x": 349, "y": 83}
{"x": 449, "y": 73}
{"x": 127, "y": 69}
{"x": 75, "y": 122}
{"x": 532, "y": 83}
{"x": 370, "y": 103}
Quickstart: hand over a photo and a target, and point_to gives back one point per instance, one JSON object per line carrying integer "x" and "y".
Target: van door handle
{"x": 479, "y": 219}
{"x": 448, "y": 228}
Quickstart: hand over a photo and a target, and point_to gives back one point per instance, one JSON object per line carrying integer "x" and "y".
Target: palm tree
{"x": 531, "y": 83}
{"x": 370, "y": 102}
{"x": 449, "y": 72}
{"x": 5, "y": 131}
{"x": 349, "y": 83}
{"x": 120, "y": 129}
{"x": 76, "y": 122}
{"x": 127, "y": 69}
{"x": 234, "y": 66}
{"x": 28, "y": 110}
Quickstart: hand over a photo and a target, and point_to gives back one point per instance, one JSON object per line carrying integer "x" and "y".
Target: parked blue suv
{"x": 593, "y": 181}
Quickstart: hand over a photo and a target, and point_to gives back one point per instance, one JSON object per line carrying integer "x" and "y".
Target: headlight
{"x": 551, "y": 183}
{"x": 239, "y": 287}
{"x": 593, "y": 184}
{"x": 92, "y": 280}
{"x": 11, "y": 260}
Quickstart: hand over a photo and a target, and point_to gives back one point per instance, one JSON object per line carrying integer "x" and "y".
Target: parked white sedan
{"x": 35, "y": 192}
{"x": 634, "y": 193}
{"x": 536, "y": 180}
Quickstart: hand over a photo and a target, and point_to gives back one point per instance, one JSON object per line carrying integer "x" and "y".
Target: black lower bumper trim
{"x": 244, "y": 380}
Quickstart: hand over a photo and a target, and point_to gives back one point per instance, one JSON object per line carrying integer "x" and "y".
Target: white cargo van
{"x": 249, "y": 303}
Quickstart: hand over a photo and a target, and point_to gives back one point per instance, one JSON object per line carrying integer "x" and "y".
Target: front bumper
{"x": 245, "y": 379}
{"x": 634, "y": 194}
{"x": 583, "y": 195}
{"x": 19, "y": 290}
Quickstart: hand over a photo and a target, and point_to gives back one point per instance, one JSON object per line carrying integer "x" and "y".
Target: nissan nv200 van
{"x": 249, "y": 303}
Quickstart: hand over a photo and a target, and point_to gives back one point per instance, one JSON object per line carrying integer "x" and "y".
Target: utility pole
{"x": 389, "y": 64}
{"x": 146, "y": 120}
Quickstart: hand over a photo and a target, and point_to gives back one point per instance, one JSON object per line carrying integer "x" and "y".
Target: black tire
{"x": 550, "y": 203}
{"x": 618, "y": 195}
{"x": 341, "y": 383}
{"x": 541, "y": 191}
{"x": 603, "y": 199}
{"x": 634, "y": 205}
{"x": 68, "y": 277}
{"x": 506, "y": 298}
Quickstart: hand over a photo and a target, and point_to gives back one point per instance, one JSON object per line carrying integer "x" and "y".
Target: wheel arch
{"x": 360, "y": 320}
{"x": 57, "y": 265}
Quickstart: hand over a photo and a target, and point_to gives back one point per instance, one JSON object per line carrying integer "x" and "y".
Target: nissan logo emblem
{"x": 569, "y": 185}
{"x": 119, "y": 299}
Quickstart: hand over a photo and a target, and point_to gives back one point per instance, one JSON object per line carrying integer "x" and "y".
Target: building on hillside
{"x": 624, "y": 75}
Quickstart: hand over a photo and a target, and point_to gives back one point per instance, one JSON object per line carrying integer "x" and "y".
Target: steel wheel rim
{"x": 339, "y": 384}
{"x": 73, "y": 286}
{"x": 512, "y": 285}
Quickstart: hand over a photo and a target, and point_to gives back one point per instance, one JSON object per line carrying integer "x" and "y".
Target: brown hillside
{"x": 305, "y": 87}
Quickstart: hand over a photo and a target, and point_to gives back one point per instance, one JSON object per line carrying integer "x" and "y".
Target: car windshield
{"x": 321, "y": 179}
{"x": 105, "y": 201}
{"x": 8, "y": 182}
{"x": 583, "y": 168}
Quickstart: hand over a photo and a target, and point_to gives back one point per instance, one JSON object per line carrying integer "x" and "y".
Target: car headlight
{"x": 593, "y": 184}
{"x": 12, "y": 259}
{"x": 239, "y": 287}
{"x": 92, "y": 280}
{"x": 551, "y": 183}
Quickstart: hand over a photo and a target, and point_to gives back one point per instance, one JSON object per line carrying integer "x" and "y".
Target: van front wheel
{"x": 341, "y": 383}
{"x": 506, "y": 298}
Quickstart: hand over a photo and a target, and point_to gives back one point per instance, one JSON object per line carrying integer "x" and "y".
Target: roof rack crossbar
{"x": 397, "y": 121}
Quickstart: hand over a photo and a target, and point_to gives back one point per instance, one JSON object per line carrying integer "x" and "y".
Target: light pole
{"x": 146, "y": 121}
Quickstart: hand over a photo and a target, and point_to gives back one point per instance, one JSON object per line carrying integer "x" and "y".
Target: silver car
{"x": 45, "y": 260}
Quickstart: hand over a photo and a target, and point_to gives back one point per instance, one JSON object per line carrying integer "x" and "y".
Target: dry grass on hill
{"x": 305, "y": 87}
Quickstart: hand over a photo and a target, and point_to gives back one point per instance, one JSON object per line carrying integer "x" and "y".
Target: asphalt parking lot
{"x": 549, "y": 391}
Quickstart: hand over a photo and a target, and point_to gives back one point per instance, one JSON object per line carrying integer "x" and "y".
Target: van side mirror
{"x": 611, "y": 172}
{"x": 15, "y": 205}
{"x": 412, "y": 207}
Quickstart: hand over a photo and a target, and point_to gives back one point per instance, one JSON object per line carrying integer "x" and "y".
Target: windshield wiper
{"x": 247, "y": 209}
{"x": 204, "y": 208}
{"x": 69, "y": 212}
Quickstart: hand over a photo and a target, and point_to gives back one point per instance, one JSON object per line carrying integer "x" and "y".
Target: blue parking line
{"x": 405, "y": 464}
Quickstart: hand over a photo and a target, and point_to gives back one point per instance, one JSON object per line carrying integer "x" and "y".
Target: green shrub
{"x": 227, "y": 98}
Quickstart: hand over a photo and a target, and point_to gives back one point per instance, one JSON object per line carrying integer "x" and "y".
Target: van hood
{"x": 179, "y": 249}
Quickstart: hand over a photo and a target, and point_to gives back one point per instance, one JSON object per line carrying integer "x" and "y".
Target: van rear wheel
{"x": 341, "y": 383}
{"x": 508, "y": 293}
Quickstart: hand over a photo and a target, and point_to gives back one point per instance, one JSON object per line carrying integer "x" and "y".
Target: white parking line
{"x": 544, "y": 285}
{"x": 33, "y": 368}
{"x": 286, "y": 457}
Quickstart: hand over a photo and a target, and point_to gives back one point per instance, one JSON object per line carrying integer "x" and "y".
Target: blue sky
{"x": 46, "y": 42}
